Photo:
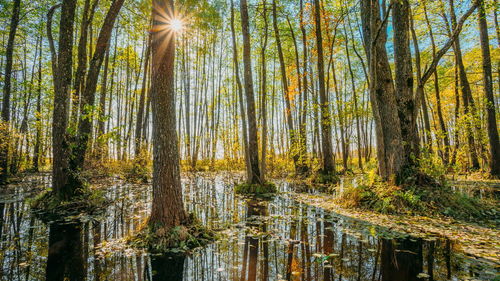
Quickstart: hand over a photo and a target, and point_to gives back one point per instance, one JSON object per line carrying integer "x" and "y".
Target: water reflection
{"x": 167, "y": 267}
{"x": 263, "y": 240}
{"x": 401, "y": 259}
{"x": 65, "y": 256}
{"x": 256, "y": 228}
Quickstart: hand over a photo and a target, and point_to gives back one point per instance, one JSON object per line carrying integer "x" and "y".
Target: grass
{"x": 255, "y": 189}
{"x": 432, "y": 198}
{"x": 178, "y": 240}
{"x": 48, "y": 207}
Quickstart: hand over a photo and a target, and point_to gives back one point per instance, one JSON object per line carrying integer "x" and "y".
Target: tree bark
{"x": 253, "y": 149}
{"x": 167, "y": 207}
{"x": 488, "y": 93}
{"x": 403, "y": 76}
{"x": 62, "y": 90}
{"x": 326, "y": 126}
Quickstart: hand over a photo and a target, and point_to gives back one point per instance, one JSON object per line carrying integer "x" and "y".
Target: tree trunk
{"x": 5, "y": 128}
{"x": 466, "y": 93}
{"x": 442, "y": 124}
{"x": 240, "y": 96}
{"x": 38, "y": 116}
{"x": 263, "y": 96}
{"x": 326, "y": 126}
{"x": 139, "y": 138}
{"x": 488, "y": 92}
{"x": 62, "y": 91}
{"x": 88, "y": 95}
{"x": 355, "y": 97}
{"x": 403, "y": 76}
{"x": 382, "y": 93}
{"x": 253, "y": 149}
{"x": 167, "y": 207}
{"x": 294, "y": 149}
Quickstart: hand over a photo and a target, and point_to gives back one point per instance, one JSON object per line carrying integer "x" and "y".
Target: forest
{"x": 249, "y": 140}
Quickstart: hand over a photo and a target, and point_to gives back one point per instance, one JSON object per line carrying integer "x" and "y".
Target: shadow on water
{"x": 279, "y": 239}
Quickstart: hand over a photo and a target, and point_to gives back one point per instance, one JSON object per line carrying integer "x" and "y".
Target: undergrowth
{"x": 179, "y": 240}
{"x": 255, "y": 189}
{"x": 430, "y": 198}
{"x": 88, "y": 203}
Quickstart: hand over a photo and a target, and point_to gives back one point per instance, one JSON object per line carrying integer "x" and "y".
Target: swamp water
{"x": 278, "y": 239}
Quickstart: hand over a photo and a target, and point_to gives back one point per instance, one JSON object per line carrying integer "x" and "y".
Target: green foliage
{"x": 139, "y": 169}
{"x": 181, "y": 239}
{"x": 325, "y": 178}
{"x": 430, "y": 199}
{"x": 255, "y": 189}
{"x": 47, "y": 206}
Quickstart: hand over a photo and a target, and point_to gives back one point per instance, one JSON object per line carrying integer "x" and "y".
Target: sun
{"x": 176, "y": 25}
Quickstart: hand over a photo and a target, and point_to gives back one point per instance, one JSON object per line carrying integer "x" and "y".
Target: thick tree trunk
{"x": 240, "y": 95}
{"x": 5, "y": 127}
{"x": 167, "y": 208}
{"x": 253, "y": 149}
{"x": 404, "y": 82}
{"x": 326, "y": 126}
{"x": 382, "y": 93}
{"x": 488, "y": 93}
{"x": 62, "y": 91}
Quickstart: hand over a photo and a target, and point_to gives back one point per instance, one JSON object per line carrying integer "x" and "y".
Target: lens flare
{"x": 176, "y": 25}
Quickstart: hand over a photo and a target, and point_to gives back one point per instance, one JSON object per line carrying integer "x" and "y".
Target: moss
{"x": 255, "y": 189}
{"x": 49, "y": 207}
{"x": 181, "y": 239}
{"x": 429, "y": 197}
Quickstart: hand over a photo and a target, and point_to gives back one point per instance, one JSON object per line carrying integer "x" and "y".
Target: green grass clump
{"x": 178, "y": 240}
{"x": 429, "y": 199}
{"x": 49, "y": 207}
{"x": 255, "y": 189}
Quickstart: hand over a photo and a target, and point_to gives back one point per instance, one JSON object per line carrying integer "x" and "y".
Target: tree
{"x": 4, "y": 128}
{"x": 382, "y": 93}
{"x": 168, "y": 207}
{"x": 488, "y": 92}
{"x": 326, "y": 127}
{"x": 62, "y": 64}
{"x": 253, "y": 149}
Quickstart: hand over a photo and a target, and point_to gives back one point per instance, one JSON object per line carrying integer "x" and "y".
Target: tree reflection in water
{"x": 65, "y": 259}
{"x": 266, "y": 240}
{"x": 167, "y": 267}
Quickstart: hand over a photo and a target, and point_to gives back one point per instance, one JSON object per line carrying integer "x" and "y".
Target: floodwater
{"x": 278, "y": 239}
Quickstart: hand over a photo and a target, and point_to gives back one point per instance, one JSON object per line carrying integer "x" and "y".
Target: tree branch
{"x": 427, "y": 73}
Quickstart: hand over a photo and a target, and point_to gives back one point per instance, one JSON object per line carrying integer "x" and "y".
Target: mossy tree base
{"x": 418, "y": 194}
{"x": 49, "y": 207}
{"x": 178, "y": 240}
{"x": 267, "y": 188}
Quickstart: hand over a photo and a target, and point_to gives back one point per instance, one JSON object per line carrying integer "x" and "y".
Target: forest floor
{"x": 480, "y": 241}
